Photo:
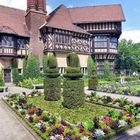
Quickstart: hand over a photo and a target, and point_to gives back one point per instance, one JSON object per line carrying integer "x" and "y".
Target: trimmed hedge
{"x": 73, "y": 93}
{"x": 52, "y": 88}
{"x": 52, "y": 82}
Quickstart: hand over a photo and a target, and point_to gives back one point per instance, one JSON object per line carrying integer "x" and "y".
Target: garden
{"x": 64, "y": 111}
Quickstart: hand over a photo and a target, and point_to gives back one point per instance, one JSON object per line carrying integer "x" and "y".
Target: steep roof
{"x": 99, "y": 13}
{"x": 13, "y": 21}
{"x": 65, "y": 18}
{"x": 61, "y": 18}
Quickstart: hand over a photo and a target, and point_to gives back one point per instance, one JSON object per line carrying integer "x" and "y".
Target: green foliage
{"x": 52, "y": 89}
{"x": 15, "y": 72}
{"x": 28, "y": 83}
{"x": 90, "y": 65}
{"x": 106, "y": 69}
{"x": 52, "y": 62}
{"x": 72, "y": 60}
{"x": 73, "y": 93}
{"x": 45, "y": 63}
{"x": 32, "y": 68}
{"x": 52, "y": 82}
{"x": 1, "y": 79}
{"x": 128, "y": 57}
{"x": 92, "y": 74}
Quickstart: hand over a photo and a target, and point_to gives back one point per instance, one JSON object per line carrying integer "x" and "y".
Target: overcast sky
{"x": 131, "y": 28}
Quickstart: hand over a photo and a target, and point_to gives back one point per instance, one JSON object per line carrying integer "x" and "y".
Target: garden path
{"x": 10, "y": 127}
{"x": 132, "y": 134}
{"x": 130, "y": 98}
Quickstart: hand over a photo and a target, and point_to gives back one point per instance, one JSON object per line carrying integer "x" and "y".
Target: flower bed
{"x": 52, "y": 126}
{"x": 129, "y": 88}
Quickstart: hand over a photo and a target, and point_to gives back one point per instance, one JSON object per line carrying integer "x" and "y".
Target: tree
{"x": 45, "y": 63}
{"x": 92, "y": 74}
{"x": 106, "y": 69}
{"x": 73, "y": 88}
{"x": 1, "y": 78}
{"x": 128, "y": 57}
{"x": 52, "y": 81}
{"x": 15, "y": 72}
{"x": 32, "y": 69}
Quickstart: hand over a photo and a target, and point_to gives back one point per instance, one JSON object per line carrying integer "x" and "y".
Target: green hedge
{"x": 52, "y": 89}
{"x": 93, "y": 83}
{"x": 73, "y": 93}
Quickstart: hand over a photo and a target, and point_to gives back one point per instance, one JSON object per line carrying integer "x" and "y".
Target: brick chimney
{"x": 35, "y": 17}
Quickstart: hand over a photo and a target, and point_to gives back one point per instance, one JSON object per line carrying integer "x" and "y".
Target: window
{"x": 62, "y": 39}
{"x": 113, "y": 42}
{"x": 100, "y": 41}
{"x": 21, "y": 43}
{"x": 7, "y": 41}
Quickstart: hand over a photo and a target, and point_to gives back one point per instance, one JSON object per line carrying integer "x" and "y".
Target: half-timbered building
{"x": 89, "y": 30}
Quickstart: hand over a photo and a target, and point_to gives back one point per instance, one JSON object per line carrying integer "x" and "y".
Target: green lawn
{"x": 88, "y": 111}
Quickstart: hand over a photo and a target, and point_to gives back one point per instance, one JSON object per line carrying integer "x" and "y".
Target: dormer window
{"x": 7, "y": 41}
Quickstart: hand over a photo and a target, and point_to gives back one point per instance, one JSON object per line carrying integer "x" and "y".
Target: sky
{"x": 131, "y": 8}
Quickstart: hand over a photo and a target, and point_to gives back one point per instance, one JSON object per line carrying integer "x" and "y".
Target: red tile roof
{"x": 60, "y": 18}
{"x": 64, "y": 18}
{"x": 99, "y": 13}
{"x": 13, "y": 21}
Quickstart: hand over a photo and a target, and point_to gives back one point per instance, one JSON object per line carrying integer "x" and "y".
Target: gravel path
{"x": 10, "y": 127}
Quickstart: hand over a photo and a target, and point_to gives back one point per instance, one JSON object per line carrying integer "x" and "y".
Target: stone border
{"x": 29, "y": 129}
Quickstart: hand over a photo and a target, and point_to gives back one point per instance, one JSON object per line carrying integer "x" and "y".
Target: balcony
{"x": 13, "y": 52}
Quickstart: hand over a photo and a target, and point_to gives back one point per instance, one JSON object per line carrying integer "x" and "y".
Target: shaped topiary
{"x": 73, "y": 91}
{"x": 52, "y": 82}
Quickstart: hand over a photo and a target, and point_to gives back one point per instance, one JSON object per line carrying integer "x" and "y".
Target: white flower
{"x": 99, "y": 133}
{"x": 85, "y": 138}
{"x": 38, "y": 125}
{"x": 138, "y": 116}
{"x": 5, "y": 97}
{"x": 27, "y": 116}
{"x": 53, "y": 138}
{"x": 122, "y": 123}
{"x": 13, "y": 105}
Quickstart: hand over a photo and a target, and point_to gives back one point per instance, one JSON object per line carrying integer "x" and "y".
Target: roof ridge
{"x": 13, "y": 8}
{"x": 98, "y": 5}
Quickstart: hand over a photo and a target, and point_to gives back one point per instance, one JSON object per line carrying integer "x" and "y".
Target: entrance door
{"x": 7, "y": 75}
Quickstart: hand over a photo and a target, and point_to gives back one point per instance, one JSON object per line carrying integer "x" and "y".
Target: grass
{"x": 88, "y": 111}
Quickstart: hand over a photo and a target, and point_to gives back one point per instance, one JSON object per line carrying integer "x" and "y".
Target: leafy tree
{"x": 128, "y": 57}
{"x": 32, "y": 69}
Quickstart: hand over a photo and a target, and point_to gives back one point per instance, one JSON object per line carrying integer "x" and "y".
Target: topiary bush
{"x": 92, "y": 74}
{"x": 1, "y": 79}
{"x": 73, "y": 88}
{"x": 52, "y": 81}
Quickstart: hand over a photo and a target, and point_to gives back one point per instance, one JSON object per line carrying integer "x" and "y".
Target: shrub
{"x": 32, "y": 68}
{"x": 72, "y": 60}
{"x": 92, "y": 74}
{"x": 28, "y": 83}
{"x": 52, "y": 88}
{"x": 73, "y": 92}
{"x": 45, "y": 63}
{"x": 52, "y": 81}
{"x": 106, "y": 69}
{"x": 15, "y": 72}
{"x": 1, "y": 79}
